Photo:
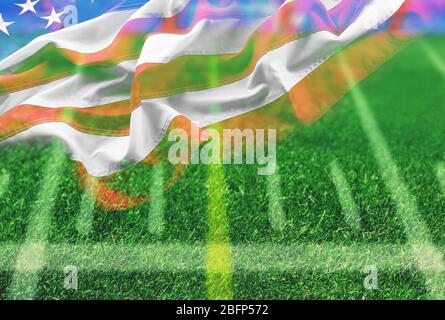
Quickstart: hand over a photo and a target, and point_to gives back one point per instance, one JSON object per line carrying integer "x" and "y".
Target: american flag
{"x": 109, "y": 77}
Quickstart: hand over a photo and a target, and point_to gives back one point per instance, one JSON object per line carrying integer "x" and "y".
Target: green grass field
{"x": 362, "y": 188}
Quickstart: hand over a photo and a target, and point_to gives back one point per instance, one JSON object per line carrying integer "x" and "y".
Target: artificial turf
{"x": 407, "y": 98}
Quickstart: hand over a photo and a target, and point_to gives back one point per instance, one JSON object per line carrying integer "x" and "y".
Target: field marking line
{"x": 324, "y": 258}
{"x": 426, "y": 255}
{"x": 84, "y": 223}
{"x": 435, "y": 58}
{"x": 440, "y": 173}
{"x": 219, "y": 269}
{"x": 252, "y": 258}
{"x": 348, "y": 205}
{"x": 30, "y": 259}
{"x": 277, "y": 217}
{"x": 156, "y": 221}
{"x": 218, "y": 250}
{"x": 182, "y": 257}
{"x": 4, "y": 181}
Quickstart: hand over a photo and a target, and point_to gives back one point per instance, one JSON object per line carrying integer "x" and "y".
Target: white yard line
{"x": 440, "y": 172}
{"x": 170, "y": 257}
{"x": 349, "y": 208}
{"x": 30, "y": 259}
{"x": 253, "y": 258}
{"x": 277, "y": 217}
{"x": 419, "y": 238}
{"x": 4, "y": 182}
{"x": 156, "y": 223}
{"x": 436, "y": 59}
{"x": 85, "y": 218}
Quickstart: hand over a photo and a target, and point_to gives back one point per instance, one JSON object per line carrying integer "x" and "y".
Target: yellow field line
{"x": 218, "y": 253}
{"x": 218, "y": 250}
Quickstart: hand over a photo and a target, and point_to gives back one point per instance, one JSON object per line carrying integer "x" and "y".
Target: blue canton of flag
{"x": 23, "y": 20}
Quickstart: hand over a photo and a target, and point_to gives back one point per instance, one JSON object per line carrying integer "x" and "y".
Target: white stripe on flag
{"x": 79, "y": 90}
{"x": 231, "y": 34}
{"x": 82, "y": 91}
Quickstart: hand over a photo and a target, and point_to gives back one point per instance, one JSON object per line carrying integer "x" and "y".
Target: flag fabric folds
{"x": 110, "y": 86}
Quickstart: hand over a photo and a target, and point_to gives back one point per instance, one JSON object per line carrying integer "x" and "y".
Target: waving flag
{"x": 111, "y": 85}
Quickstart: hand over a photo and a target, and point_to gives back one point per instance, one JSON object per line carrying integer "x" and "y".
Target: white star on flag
{"x": 53, "y": 18}
{"x": 28, "y": 6}
{"x": 4, "y": 25}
